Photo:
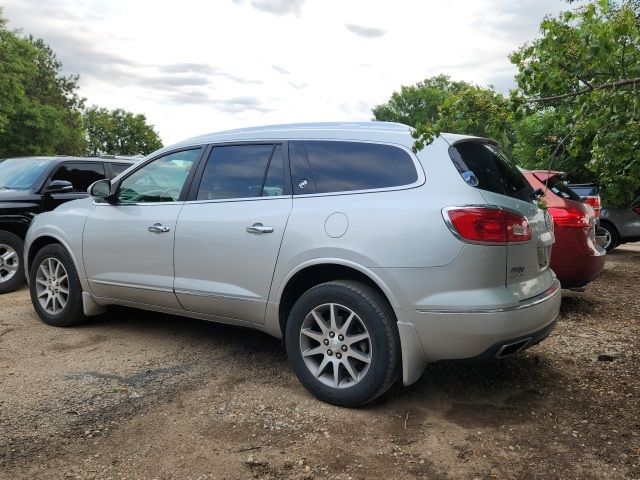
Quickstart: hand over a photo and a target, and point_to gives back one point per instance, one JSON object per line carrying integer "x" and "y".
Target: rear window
{"x": 347, "y": 166}
{"x": 558, "y": 187}
{"x": 484, "y": 166}
{"x": 584, "y": 191}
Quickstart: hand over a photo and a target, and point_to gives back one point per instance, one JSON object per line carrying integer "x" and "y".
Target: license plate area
{"x": 542, "y": 257}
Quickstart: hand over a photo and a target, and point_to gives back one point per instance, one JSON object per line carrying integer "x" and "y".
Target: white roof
{"x": 386, "y": 131}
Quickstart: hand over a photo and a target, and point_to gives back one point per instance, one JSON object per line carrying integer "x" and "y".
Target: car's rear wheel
{"x": 55, "y": 288}
{"x": 343, "y": 343}
{"x": 611, "y": 236}
{"x": 11, "y": 272}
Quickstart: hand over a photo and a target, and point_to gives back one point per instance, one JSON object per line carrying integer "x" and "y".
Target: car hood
{"x": 17, "y": 198}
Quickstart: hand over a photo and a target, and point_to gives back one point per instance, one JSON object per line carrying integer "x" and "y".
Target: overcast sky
{"x": 201, "y": 66}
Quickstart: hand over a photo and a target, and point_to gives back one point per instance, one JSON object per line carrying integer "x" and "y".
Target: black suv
{"x": 32, "y": 185}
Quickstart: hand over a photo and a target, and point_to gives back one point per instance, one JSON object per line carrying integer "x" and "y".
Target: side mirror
{"x": 59, "y": 186}
{"x": 100, "y": 189}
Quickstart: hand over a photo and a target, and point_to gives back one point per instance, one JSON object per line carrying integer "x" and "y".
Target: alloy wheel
{"x": 9, "y": 263}
{"x": 52, "y": 286}
{"x": 335, "y": 345}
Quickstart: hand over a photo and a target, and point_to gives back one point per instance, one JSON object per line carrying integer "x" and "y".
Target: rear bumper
{"x": 575, "y": 259}
{"x": 468, "y": 334}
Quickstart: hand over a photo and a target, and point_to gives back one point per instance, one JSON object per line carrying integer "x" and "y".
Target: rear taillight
{"x": 569, "y": 217}
{"x": 488, "y": 225}
{"x": 594, "y": 201}
{"x": 636, "y": 209}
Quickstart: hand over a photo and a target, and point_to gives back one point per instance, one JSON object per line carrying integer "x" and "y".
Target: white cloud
{"x": 194, "y": 67}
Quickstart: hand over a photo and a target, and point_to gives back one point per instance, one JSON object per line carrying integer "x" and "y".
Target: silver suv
{"x": 368, "y": 260}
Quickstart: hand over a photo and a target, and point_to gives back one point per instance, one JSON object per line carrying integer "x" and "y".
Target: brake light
{"x": 594, "y": 201}
{"x": 488, "y": 225}
{"x": 569, "y": 217}
{"x": 636, "y": 209}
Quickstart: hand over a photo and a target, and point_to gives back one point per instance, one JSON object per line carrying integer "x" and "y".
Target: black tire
{"x": 612, "y": 233}
{"x": 375, "y": 314}
{"x": 17, "y": 279}
{"x": 72, "y": 313}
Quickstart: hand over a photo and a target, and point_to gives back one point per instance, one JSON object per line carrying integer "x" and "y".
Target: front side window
{"x": 235, "y": 171}
{"x": 81, "y": 175}
{"x": 274, "y": 181}
{"x": 162, "y": 180}
{"x": 485, "y": 167}
{"x": 347, "y": 166}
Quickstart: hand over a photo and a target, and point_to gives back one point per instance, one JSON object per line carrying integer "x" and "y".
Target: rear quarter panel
{"x": 401, "y": 228}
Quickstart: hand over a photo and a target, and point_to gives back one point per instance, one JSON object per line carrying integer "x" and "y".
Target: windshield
{"x": 20, "y": 173}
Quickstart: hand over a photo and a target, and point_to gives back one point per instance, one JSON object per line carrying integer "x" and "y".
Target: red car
{"x": 576, "y": 258}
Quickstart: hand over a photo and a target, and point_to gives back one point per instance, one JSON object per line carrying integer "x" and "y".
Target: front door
{"x": 128, "y": 245}
{"x": 228, "y": 236}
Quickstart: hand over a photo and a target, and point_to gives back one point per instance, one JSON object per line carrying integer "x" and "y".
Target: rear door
{"x": 229, "y": 233}
{"x": 485, "y": 167}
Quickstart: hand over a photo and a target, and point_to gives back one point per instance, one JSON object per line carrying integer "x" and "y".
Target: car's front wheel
{"x": 55, "y": 288}
{"x": 11, "y": 271}
{"x": 343, "y": 343}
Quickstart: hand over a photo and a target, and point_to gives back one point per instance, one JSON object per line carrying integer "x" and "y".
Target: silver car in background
{"x": 622, "y": 225}
{"x": 368, "y": 260}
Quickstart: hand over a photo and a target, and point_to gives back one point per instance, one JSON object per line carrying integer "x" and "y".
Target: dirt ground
{"x": 142, "y": 395}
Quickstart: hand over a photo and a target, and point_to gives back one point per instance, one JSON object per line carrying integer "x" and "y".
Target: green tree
{"x": 478, "y": 111}
{"x": 585, "y": 68}
{"x": 538, "y": 145}
{"x": 39, "y": 107}
{"x": 472, "y": 110}
{"x": 118, "y": 132}
{"x": 418, "y": 103}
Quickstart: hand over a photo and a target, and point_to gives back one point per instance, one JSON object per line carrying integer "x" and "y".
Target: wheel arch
{"x": 42, "y": 241}
{"x": 314, "y": 272}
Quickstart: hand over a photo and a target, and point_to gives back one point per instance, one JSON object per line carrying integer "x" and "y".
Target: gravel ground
{"x": 142, "y": 395}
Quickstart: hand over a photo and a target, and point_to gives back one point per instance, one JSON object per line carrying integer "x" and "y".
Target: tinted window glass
{"x": 159, "y": 181}
{"x": 235, "y": 172}
{"x": 584, "y": 191}
{"x": 274, "y": 182}
{"x": 81, "y": 175}
{"x": 300, "y": 170}
{"x": 484, "y": 166}
{"x": 559, "y": 188}
{"x": 346, "y": 166}
{"x": 118, "y": 168}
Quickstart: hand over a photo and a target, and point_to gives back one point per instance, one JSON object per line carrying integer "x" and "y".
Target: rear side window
{"x": 485, "y": 167}
{"x": 348, "y": 166}
{"x": 118, "y": 168}
{"x": 236, "y": 171}
{"x": 81, "y": 175}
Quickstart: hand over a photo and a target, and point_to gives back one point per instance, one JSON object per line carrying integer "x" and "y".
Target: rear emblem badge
{"x": 303, "y": 183}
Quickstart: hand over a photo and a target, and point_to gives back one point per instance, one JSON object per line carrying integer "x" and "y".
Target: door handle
{"x": 259, "y": 229}
{"x": 158, "y": 228}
